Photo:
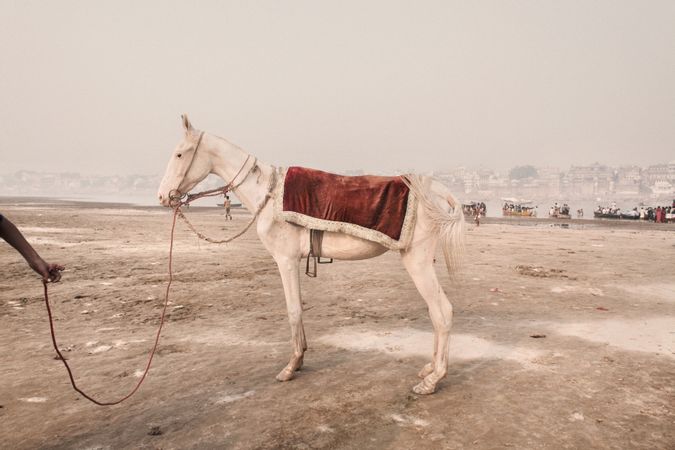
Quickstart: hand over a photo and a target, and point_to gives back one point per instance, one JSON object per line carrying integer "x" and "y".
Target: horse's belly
{"x": 346, "y": 247}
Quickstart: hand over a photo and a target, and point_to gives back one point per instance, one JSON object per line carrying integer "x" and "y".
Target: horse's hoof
{"x": 285, "y": 375}
{"x": 424, "y": 389}
{"x": 426, "y": 370}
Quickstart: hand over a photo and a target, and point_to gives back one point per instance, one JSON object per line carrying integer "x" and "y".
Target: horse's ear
{"x": 186, "y": 123}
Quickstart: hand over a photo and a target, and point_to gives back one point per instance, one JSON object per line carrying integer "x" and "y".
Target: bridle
{"x": 182, "y": 199}
{"x": 178, "y": 198}
{"x": 175, "y": 194}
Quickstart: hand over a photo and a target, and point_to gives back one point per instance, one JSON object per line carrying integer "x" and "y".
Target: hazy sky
{"x": 98, "y": 87}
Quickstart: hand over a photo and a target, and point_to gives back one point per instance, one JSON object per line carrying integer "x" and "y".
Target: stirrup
{"x": 315, "y": 241}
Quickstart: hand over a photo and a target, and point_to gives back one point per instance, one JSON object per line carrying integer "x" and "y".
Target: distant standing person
{"x": 49, "y": 272}
{"x": 228, "y": 206}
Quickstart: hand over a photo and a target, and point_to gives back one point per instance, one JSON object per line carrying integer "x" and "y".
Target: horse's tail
{"x": 448, "y": 222}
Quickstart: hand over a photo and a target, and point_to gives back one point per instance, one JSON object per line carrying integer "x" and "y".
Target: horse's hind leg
{"x": 418, "y": 261}
{"x": 290, "y": 277}
{"x": 429, "y": 367}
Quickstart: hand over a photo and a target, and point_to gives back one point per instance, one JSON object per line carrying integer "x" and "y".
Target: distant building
{"x": 628, "y": 181}
{"x": 590, "y": 181}
{"x": 64, "y": 184}
{"x": 452, "y": 178}
{"x": 663, "y": 188}
{"x": 550, "y": 181}
{"x": 660, "y": 172}
{"x": 471, "y": 182}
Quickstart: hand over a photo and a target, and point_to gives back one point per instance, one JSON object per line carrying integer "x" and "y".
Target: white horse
{"x": 439, "y": 221}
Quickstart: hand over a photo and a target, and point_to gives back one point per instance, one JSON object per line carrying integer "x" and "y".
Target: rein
{"x": 186, "y": 199}
{"x": 154, "y": 347}
{"x": 181, "y": 199}
{"x": 223, "y": 190}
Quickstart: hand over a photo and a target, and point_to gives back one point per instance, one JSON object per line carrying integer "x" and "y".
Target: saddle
{"x": 375, "y": 208}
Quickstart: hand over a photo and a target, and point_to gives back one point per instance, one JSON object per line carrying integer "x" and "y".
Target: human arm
{"x": 9, "y": 232}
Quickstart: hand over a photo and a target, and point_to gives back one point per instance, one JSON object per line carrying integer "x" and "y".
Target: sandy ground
{"x": 602, "y": 377}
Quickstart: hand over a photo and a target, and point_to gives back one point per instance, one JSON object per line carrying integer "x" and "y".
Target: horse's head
{"x": 189, "y": 164}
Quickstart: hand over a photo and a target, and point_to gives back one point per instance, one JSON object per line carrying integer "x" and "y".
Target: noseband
{"x": 175, "y": 198}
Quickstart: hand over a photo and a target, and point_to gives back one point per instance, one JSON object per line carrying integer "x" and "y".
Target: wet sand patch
{"x": 662, "y": 291}
{"x": 651, "y": 335}
{"x": 411, "y": 342}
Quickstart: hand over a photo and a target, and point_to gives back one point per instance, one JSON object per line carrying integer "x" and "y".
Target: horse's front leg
{"x": 290, "y": 277}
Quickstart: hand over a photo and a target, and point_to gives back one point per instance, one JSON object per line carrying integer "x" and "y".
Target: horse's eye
{"x": 179, "y": 155}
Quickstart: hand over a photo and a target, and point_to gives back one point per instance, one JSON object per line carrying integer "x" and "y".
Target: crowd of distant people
{"x": 608, "y": 210}
{"x": 557, "y": 210}
{"x": 475, "y": 209}
{"x": 658, "y": 214}
{"x": 510, "y": 207}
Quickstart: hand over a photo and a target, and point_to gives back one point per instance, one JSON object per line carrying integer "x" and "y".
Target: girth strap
{"x": 315, "y": 245}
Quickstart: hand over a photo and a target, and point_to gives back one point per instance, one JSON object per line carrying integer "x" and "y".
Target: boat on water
{"x": 606, "y": 215}
{"x": 559, "y": 212}
{"x": 616, "y": 213}
{"x": 524, "y": 212}
{"x": 559, "y": 216}
{"x": 518, "y": 208}
{"x": 659, "y": 214}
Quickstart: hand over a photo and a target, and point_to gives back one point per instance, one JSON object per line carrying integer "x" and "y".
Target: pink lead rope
{"x": 154, "y": 348}
{"x": 176, "y": 212}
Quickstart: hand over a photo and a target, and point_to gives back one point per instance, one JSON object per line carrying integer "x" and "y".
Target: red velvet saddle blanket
{"x": 372, "y": 202}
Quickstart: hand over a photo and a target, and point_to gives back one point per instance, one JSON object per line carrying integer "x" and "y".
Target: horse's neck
{"x": 236, "y": 166}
